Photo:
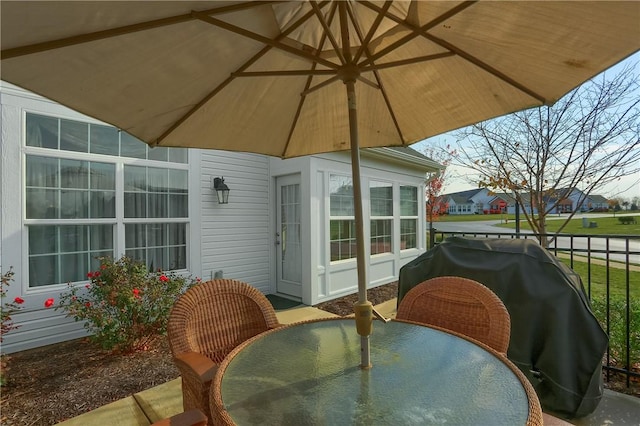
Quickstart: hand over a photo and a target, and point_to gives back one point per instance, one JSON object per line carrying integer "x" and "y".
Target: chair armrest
{"x": 196, "y": 366}
{"x": 192, "y": 417}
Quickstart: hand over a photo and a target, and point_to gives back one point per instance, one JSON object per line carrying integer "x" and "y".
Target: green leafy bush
{"x": 124, "y": 307}
{"x": 618, "y": 326}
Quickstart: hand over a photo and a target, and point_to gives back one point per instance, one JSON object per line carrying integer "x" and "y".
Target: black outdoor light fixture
{"x": 222, "y": 190}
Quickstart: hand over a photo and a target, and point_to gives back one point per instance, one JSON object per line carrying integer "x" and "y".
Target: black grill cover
{"x": 555, "y": 339}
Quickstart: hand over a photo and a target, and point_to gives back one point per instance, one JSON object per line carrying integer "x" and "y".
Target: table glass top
{"x": 310, "y": 374}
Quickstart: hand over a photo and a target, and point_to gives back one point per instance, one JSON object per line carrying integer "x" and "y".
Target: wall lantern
{"x": 222, "y": 190}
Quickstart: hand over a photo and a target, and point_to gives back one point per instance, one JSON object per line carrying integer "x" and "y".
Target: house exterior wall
{"x": 236, "y": 237}
{"x": 235, "y": 240}
{"x": 338, "y": 278}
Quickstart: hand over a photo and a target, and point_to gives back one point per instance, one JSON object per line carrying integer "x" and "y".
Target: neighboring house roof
{"x": 463, "y": 197}
{"x": 598, "y": 199}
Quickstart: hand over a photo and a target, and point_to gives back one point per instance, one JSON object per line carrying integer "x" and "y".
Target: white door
{"x": 289, "y": 251}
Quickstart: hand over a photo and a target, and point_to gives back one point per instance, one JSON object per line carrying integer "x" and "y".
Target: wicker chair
{"x": 461, "y": 305}
{"x": 205, "y": 324}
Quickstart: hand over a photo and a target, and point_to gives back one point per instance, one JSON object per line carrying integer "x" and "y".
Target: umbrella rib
{"x": 422, "y": 31}
{"x": 410, "y": 61}
{"x": 486, "y": 67}
{"x": 327, "y": 31}
{"x": 306, "y": 90}
{"x": 282, "y": 73}
{"x": 227, "y": 81}
{"x": 266, "y": 40}
{"x": 113, "y": 32}
{"x": 372, "y": 30}
{"x": 415, "y": 31}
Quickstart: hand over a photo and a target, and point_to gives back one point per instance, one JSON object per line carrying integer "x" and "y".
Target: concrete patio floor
{"x": 151, "y": 405}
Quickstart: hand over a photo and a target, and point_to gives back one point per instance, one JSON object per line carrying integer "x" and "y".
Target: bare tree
{"x": 543, "y": 155}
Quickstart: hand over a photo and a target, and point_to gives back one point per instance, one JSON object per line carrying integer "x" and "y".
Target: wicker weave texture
{"x": 462, "y": 305}
{"x": 208, "y": 322}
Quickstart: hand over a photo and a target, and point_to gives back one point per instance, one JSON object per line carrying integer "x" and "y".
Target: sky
{"x": 627, "y": 187}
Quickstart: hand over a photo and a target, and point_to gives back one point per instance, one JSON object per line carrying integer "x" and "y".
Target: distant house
{"x": 74, "y": 188}
{"x": 576, "y": 200}
{"x": 483, "y": 201}
{"x": 475, "y": 201}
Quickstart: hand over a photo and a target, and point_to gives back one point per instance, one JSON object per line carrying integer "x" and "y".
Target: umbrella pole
{"x": 363, "y": 309}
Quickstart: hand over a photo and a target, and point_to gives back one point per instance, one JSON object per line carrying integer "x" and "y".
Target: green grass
{"x": 617, "y": 279}
{"x": 606, "y": 226}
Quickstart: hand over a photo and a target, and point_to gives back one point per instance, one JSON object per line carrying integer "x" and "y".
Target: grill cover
{"x": 555, "y": 339}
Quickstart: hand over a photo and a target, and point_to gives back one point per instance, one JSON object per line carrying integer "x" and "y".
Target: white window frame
{"x": 119, "y": 221}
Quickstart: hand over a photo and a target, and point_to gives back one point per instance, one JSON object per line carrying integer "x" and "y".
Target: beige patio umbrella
{"x": 301, "y": 77}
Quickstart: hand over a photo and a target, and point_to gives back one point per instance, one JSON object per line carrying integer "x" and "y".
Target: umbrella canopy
{"x": 267, "y": 77}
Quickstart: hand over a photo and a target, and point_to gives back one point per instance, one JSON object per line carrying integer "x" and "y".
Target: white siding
{"x": 236, "y": 236}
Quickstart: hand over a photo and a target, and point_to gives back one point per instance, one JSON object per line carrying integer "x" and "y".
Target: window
{"x": 408, "y": 217}
{"x": 381, "y": 195}
{"x": 342, "y": 226}
{"x": 72, "y": 204}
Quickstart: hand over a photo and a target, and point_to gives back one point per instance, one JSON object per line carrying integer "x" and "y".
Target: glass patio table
{"x": 309, "y": 373}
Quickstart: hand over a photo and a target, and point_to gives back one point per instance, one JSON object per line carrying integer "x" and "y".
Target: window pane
{"x": 42, "y": 172}
{"x": 135, "y": 178}
{"x": 177, "y": 258}
{"x": 341, "y": 196}
{"x": 178, "y": 181}
{"x": 158, "y": 153}
{"x": 104, "y": 140}
{"x": 42, "y": 203}
{"x": 157, "y": 258}
{"x": 139, "y": 255}
{"x": 343, "y": 239}
{"x": 381, "y": 195}
{"x": 178, "y": 155}
{"x": 155, "y": 235}
{"x": 135, "y": 205}
{"x": 74, "y": 174}
{"x": 408, "y": 201}
{"x": 101, "y": 237}
{"x": 74, "y": 238}
{"x": 66, "y": 248}
{"x": 158, "y": 205}
{"x": 130, "y": 146}
{"x": 102, "y": 176}
{"x": 42, "y": 239}
{"x": 381, "y": 236}
{"x": 408, "y": 232}
{"x": 102, "y": 204}
{"x": 178, "y": 206}
{"x": 177, "y": 234}
{"x": 74, "y": 267}
{"x": 43, "y": 270}
{"x": 135, "y": 236}
{"x": 74, "y": 136}
{"x": 74, "y": 204}
{"x": 158, "y": 180}
{"x": 42, "y": 131}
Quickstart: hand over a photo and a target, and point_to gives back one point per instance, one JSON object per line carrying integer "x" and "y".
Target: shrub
{"x": 124, "y": 306}
{"x": 618, "y": 326}
{"x": 8, "y": 308}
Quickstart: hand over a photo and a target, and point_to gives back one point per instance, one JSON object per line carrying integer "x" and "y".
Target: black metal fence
{"x": 610, "y": 251}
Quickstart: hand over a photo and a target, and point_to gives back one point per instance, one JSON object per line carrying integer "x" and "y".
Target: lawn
{"x": 606, "y": 225}
{"x": 617, "y": 279}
